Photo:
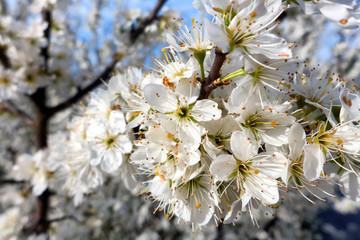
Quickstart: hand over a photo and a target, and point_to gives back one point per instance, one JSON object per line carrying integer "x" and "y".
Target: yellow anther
{"x": 196, "y": 201}
{"x": 178, "y": 111}
{"x": 273, "y": 123}
{"x": 253, "y": 14}
{"x": 169, "y": 135}
{"x": 193, "y": 22}
{"x": 157, "y": 170}
{"x": 166, "y": 56}
{"x": 339, "y": 141}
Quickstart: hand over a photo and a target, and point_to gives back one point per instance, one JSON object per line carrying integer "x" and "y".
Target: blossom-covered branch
{"x": 9, "y": 106}
{"x": 81, "y": 93}
{"x": 135, "y": 32}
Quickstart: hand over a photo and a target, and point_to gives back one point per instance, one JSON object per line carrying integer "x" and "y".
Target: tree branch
{"x": 4, "y": 58}
{"x": 10, "y": 107}
{"x": 12, "y": 181}
{"x": 81, "y": 93}
{"x": 47, "y": 17}
{"x": 40, "y": 223}
{"x": 209, "y": 85}
{"x": 135, "y": 33}
{"x": 60, "y": 219}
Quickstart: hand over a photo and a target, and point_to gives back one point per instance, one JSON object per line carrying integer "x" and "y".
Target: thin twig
{"x": 40, "y": 223}
{"x": 81, "y": 93}
{"x": 136, "y": 32}
{"x": 10, "y": 107}
{"x": 11, "y": 181}
{"x": 47, "y": 17}
{"x": 60, "y": 219}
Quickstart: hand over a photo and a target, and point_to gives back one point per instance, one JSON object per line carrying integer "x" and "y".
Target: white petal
{"x": 186, "y": 88}
{"x": 236, "y": 206}
{"x": 314, "y": 160}
{"x": 296, "y": 141}
{"x": 223, "y": 166}
{"x": 272, "y": 164}
{"x": 269, "y": 45}
{"x": 111, "y": 162}
{"x": 206, "y": 110}
{"x": 160, "y": 98}
{"x": 217, "y": 36}
{"x": 263, "y": 188}
{"x": 117, "y": 121}
{"x": 241, "y": 146}
{"x": 124, "y": 144}
{"x": 190, "y": 133}
{"x": 193, "y": 157}
{"x": 159, "y": 187}
{"x": 351, "y": 184}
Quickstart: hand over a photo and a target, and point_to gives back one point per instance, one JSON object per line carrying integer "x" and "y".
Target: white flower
{"x": 195, "y": 201}
{"x": 254, "y": 174}
{"x": 171, "y": 69}
{"x": 304, "y": 167}
{"x": 109, "y": 144}
{"x": 314, "y": 160}
{"x": 101, "y": 109}
{"x": 128, "y": 88}
{"x": 341, "y": 144}
{"x": 265, "y": 124}
{"x": 350, "y": 105}
{"x": 181, "y": 114}
{"x": 8, "y": 82}
{"x": 344, "y": 13}
{"x": 186, "y": 41}
{"x": 162, "y": 146}
{"x": 33, "y": 168}
{"x": 243, "y": 25}
{"x": 218, "y": 134}
{"x": 10, "y": 224}
{"x": 319, "y": 91}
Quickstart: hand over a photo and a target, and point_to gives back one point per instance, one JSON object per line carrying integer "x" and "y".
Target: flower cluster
{"x": 233, "y": 125}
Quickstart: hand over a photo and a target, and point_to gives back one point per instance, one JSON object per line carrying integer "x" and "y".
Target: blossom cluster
{"x": 262, "y": 127}
{"x": 227, "y": 121}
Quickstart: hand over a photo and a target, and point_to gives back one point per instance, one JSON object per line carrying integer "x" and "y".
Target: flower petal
{"x": 223, "y": 166}
{"x": 160, "y": 98}
{"x": 314, "y": 160}
{"x": 296, "y": 141}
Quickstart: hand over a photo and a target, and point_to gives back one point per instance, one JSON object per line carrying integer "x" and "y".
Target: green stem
{"x": 200, "y": 57}
{"x": 240, "y": 72}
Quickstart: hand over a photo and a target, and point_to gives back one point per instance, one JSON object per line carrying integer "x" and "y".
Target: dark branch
{"x": 209, "y": 85}
{"x": 47, "y": 34}
{"x": 11, "y": 181}
{"x": 99, "y": 80}
{"x": 60, "y": 219}
{"x": 40, "y": 222}
{"x": 10, "y": 107}
{"x": 4, "y": 58}
{"x": 136, "y": 32}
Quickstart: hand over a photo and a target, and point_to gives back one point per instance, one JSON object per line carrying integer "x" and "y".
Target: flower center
{"x": 182, "y": 112}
